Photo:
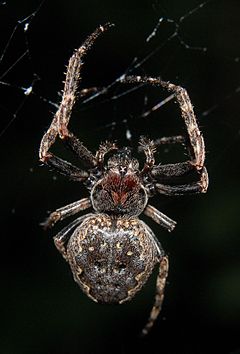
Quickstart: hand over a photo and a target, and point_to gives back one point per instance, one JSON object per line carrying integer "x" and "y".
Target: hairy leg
{"x": 196, "y": 143}
{"x": 160, "y": 286}
{"x": 61, "y": 119}
{"x": 199, "y": 186}
{"x": 197, "y": 148}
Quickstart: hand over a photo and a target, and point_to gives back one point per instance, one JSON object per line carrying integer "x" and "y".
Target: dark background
{"x": 43, "y": 309}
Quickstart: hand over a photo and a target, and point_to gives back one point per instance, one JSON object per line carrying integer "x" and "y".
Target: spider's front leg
{"x": 171, "y": 173}
{"x": 199, "y": 186}
{"x": 196, "y": 148}
{"x": 61, "y": 119}
{"x": 183, "y": 99}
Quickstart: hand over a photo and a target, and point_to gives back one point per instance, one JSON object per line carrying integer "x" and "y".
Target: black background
{"x": 43, "y": 309}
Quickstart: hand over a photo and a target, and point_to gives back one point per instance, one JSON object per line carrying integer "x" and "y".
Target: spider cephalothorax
{"x": 111, "y": 251}
{"x": 120, "y": 191}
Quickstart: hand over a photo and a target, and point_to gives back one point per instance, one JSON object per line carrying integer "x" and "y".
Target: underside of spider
{"x": 112, "y": 252}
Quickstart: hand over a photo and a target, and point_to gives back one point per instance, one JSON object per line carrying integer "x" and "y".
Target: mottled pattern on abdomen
{"x": 111, "y": 258}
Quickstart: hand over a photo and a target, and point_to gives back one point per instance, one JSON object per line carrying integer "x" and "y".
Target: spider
{"x": 111, "y": 251}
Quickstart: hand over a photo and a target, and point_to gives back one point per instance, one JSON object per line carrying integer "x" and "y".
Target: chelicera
{"x": 111, "y": 251}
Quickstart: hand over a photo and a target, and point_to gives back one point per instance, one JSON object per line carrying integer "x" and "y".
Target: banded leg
{"x": 66, "y": 211}
{"x": 160, "y": 218}
{"x": 160, "y": 286}
{"x": 183, "y": 99}
{"x": 61, "y": 119}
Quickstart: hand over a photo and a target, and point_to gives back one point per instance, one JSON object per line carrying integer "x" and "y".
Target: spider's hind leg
{"x": 160, "y": 286}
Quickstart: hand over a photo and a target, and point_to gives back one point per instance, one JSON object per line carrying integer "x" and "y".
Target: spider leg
{"x": 66, "y": 211}
{"x": 159, "y": 217}
{"x": 61, "y": 119}
{"x": 160, "y": 286}
{"x": 77, "y": 147}
{"x": 166, "y": 172}
{"x": 149, "y": 148}
{"x": 65, "y": 168}
{"x": 199, "y": 186}
{"x": 83, "y": 153}
{"x": 195, "y": 137}
{"x": 177, "y": 139}
{"x": 196, "y": 149}
{"x": 62, "y": 238}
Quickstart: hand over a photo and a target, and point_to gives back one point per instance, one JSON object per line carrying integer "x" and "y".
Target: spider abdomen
{"x": 111, "y": 258}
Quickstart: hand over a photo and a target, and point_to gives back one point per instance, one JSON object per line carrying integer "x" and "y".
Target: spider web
{"x": 190, "y": 43}
{"x": 164, "y": 46}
